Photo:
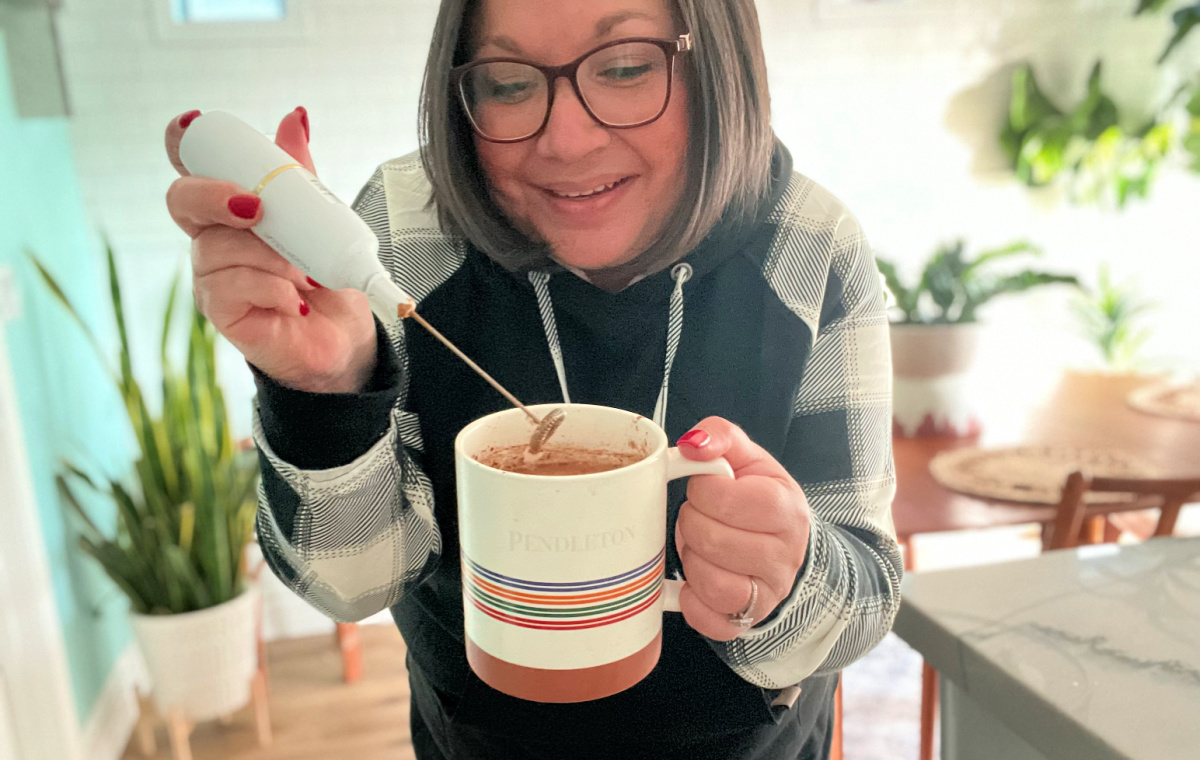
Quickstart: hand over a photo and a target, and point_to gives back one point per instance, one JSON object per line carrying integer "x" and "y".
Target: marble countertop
{"x": 1090, "y": 653}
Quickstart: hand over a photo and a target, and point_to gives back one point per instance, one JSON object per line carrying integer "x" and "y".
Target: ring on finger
{"x": 742, "y": 618}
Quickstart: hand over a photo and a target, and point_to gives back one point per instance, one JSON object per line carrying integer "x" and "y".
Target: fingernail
{"x": 244, "y": 206}
{"x": 697, "y": 439}
{"x": 304, "y": 120}
{"x": 187, "y": 119}
{"x": 314, "y": 283}
{"x": 304, "y": 308}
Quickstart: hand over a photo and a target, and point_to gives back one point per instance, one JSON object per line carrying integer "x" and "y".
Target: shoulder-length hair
{"x": 729, "y": 152}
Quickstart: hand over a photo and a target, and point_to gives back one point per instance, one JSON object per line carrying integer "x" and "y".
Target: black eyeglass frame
{"x": 681, "y": 44}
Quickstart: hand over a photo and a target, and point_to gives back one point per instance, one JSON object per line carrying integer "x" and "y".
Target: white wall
{"x": 357, "y": 70}
{"x": 895, "y": 107}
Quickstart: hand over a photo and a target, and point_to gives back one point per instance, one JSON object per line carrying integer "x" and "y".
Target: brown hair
{"x": 729, "y": 155}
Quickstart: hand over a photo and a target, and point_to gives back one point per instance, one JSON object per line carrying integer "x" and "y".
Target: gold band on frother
{"x": 267, "y": 179}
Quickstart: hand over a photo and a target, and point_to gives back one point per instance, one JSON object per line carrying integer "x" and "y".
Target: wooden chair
{"x": 350, "y": 644}
{"x": 835, "y": 751}
{"x": 1168, "y": 496}
{"x": 1077, "y": 522}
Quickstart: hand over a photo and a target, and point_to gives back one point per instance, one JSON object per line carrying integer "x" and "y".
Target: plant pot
{"x": 930, "y": 369}
{"x": 201, "y": 662}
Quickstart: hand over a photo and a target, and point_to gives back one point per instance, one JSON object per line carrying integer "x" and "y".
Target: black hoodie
{"x": 776, "y": 325}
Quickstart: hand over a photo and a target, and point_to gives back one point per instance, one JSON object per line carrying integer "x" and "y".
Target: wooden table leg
{"x": 929, "y": 707}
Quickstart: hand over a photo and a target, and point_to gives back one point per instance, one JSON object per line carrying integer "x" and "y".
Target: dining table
{"x": 1085, "y": 411}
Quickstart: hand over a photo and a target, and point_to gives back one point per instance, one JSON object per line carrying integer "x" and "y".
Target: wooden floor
{"x": 317, "y": 717}
{"x": 314, "y": 715}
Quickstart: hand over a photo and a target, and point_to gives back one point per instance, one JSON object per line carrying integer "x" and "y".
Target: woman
{"x": 611, "y": 222}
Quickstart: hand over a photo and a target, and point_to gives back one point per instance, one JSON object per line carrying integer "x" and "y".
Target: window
{"x": 223, "y": 22}
{"x": 225, "y": 11}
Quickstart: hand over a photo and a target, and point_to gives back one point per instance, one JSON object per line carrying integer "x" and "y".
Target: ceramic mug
{"x": 563, "y": 583}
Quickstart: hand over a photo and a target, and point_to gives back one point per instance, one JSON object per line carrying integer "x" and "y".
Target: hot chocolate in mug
{"x": 563, "y": 583}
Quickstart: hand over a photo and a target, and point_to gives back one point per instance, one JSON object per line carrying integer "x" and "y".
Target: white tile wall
{"x": 357, "y": 72}
{"x": 895, "y": 107}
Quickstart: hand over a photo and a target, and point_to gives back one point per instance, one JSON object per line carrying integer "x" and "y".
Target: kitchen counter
{"x": 1089, "y": 653}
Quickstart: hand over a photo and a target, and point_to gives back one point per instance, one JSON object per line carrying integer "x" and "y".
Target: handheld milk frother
{"x": 310, "y": 227}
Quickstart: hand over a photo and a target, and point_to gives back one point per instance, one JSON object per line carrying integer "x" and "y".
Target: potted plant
{"x": 184, "y": 518}
{"x": 936, "y": 331}
{"x": 1109, "y": 317}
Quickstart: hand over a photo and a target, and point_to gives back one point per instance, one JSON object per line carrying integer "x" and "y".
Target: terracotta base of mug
{"x": 581, "y": 685}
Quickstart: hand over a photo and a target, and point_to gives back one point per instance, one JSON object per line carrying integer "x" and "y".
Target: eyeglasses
{"x": 622, "y": 84}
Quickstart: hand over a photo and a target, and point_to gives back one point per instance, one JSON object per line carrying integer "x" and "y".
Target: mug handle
{"x": 679, "y": 466}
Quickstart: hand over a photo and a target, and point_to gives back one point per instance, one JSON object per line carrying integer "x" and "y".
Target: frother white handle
{"x": 679, "y": 466}
{"x": 670, "y": 594}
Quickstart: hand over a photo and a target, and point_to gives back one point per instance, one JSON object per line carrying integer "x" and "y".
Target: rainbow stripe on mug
{"x": 564, "y": 606}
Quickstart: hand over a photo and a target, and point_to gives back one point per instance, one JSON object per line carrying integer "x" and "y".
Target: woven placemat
{"x": 1180, "y": 401}
{"x": 1032, "y": 474}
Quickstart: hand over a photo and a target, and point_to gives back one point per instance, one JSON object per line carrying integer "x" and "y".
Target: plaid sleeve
{"x": 838, "y": 449}
{"x": 348, "y": 539}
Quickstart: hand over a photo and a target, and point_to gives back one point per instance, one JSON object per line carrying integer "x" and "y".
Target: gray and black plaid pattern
{"x": 365, "y": 531}
{"x": 822, "y": 268}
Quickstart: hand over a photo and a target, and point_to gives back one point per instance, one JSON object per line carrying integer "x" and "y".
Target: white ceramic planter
{"x": 930, "y": 368}
{"x": 201, "y": 662}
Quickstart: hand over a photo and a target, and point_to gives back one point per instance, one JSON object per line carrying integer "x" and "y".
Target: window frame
{"x": 293, "y": 26}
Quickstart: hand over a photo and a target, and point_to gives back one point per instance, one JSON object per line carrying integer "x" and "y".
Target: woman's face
{"x": 631, "y": 179}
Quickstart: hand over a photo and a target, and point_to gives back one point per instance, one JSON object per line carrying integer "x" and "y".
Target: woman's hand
{"x": 302, "y": 335}
{"x": 731, "y": 531}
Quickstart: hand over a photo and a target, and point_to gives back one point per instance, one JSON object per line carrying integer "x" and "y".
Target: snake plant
{"x": 185, "y": 514}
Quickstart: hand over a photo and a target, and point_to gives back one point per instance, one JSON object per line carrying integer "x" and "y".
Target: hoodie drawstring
{"x": 680, "y": 273}
{"x": 540, "y": 282}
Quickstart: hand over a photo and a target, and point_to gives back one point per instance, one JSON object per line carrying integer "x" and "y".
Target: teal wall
{"x": 67, "y": 406}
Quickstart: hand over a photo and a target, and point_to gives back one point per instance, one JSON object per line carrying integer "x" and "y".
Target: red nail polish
{"x": 244, "y": 206}
{"x": 187, "y": 119}
{"x": 304, "y": 309}
{"x": 304, "y": 120}
{"x": 697, "y": 439}
{"x": 314, "y": 283}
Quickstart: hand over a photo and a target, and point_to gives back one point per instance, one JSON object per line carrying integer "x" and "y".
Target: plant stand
{"x": 179, "y": 727}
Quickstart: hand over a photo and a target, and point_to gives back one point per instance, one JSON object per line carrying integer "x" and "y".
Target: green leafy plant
{"x": 1109, "y": 316}
{"x": 952, "y": 287}
{"x": 1089, "y": 148}
{"x": 1185, "y": 20}
{"x": 1086, "y": 146}
{"x": 1191, "y": 139}
{"x": 185, "y": 519}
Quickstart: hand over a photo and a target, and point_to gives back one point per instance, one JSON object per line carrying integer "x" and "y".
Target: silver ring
{"x": 742, "y": 618}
